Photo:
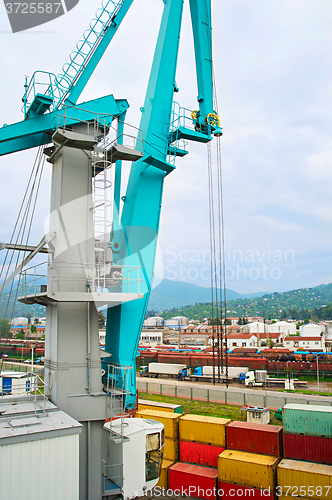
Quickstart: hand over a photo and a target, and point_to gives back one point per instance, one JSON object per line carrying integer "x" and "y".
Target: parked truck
{"x": 260, "y": 378}
{"x": 205, "y": 373}
{"x": 172, "y": 370}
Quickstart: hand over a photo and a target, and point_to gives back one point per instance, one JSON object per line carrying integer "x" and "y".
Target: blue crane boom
{"x": 136, "y": 244}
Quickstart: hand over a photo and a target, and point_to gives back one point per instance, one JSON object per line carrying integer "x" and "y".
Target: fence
{"x": 251, "y": 398}
{"x": 16, "y": 367}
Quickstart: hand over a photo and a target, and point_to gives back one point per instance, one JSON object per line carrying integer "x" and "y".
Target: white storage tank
{"x": 177, "y": 321}
{"x": 282, "y": 327}
{"x": 153, "y": 321}
{"x": 311, "y": 330}
{"x": 39, "y": 453}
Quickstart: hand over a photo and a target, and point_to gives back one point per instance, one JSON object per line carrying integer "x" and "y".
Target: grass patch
{"x": 310, "y": 393}
{"x": 195, "y": 407}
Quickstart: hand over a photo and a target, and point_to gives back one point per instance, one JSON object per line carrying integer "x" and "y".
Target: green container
{"x": 311, "y": 420}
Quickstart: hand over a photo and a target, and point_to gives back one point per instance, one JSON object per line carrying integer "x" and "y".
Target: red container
{"x": 193, "y": 480}
{"x": 200, "y": 453}
{"x": 308, "y": 448}
{"x": 229, "y": 491}
{"x": 255, "y": 438}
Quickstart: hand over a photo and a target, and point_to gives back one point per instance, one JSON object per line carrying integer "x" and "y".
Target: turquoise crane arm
{"x": 143, "y": 200}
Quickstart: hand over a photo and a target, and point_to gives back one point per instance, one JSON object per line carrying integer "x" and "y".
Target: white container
{"x": 14, "y": 383}
{"x": 233, "y": 371}
{"x": 39, "y": 457}
{"x": 165, "y": 368}
{"x": 261, "y": 375}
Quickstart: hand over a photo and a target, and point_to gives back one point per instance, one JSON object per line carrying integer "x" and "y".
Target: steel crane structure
{"x": 116, "y": 269}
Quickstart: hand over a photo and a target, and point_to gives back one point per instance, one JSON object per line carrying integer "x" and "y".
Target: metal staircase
{"x": 85, "y": 47}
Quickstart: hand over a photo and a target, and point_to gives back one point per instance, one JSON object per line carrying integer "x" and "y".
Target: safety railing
{"x": 101, "y": 126}
{"x": 112, "y": 477}
{"x": 77, "y": 277}
{"x": 180, "y": 117}
{"x": 28, "y": 384}
{"x": 41, "y": 82}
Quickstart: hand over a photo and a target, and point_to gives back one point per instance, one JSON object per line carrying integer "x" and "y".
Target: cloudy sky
{"x": 273, "y": 66}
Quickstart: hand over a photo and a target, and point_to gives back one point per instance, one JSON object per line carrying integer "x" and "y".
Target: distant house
{"x": 151, "y": 336}
{"x": 295, "y": 343}
{"x": 241, "y": 340}
{"x": 277, "y": 338}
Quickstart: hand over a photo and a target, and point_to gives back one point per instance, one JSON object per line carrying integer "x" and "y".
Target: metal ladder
{"x": 86, "y": 47}
{"x": 101, "y": 192}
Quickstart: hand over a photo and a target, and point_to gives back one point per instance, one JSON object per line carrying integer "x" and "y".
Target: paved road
{"x": 267, "y": 393}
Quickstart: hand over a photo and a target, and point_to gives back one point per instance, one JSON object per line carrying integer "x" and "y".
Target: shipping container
{"x": 168, "y": 419}
{"x": 210, "y": 430}
{"x": 306, "y": 478}
{"x": 193, "y": 480}
{"x": 171, "y": 450}
{"x": 308, "y": 448}
{"x": 144, "y": 404}
{"x": 248, "y": 469}
{"x": 229, "y": 491}
{"x": 200, "y": 453}
{"x": 163, "y": 479}
{"x": 312, "y": 420}
{"x": 255, "y": 438}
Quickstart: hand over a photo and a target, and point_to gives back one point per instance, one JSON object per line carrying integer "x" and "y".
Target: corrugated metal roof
{"x": 196, "y": 470}
{"x": 314, "y": 408}
{"x": 253, "y": 458}
{"x": 312, "y": 467}
{"x": 203, "y": 418}
{"x": 257, "y": 427}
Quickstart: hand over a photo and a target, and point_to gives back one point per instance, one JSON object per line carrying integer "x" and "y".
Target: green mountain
{"x": 303, "y": 303}
{"x": 20, "y": 309}
{"x": 173, "y": 294}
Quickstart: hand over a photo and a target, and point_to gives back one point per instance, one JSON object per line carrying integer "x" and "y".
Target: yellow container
{"x": 163, "y": 480}
{"x": 315, "y": 479}
{"x": 211, "y": 430}
{"x": 145, "y": 404}
{"x": 169, "y": 420}
{"x": 142, "y": 406}
{"x": 247, "y": 469}
{"x": 171, "y": 450}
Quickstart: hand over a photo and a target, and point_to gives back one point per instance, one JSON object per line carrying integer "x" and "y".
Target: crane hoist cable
{"x": 222, "y": 233}
{"x": 217, "y": 248}
{"x": 216, "y": 252}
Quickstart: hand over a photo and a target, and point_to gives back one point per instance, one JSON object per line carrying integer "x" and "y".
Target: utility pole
{"x": 317, "y": 373}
